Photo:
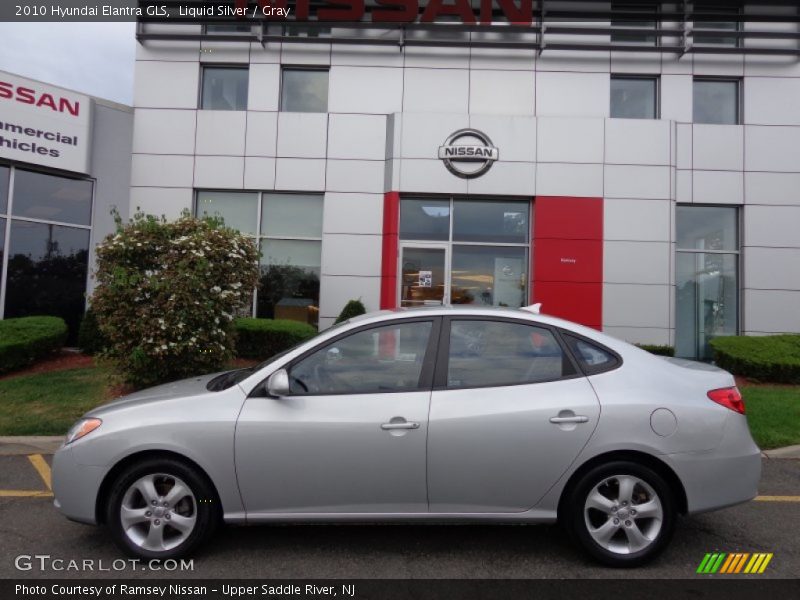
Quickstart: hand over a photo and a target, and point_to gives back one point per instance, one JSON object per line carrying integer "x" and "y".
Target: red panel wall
{"x": 391, "y": 231}
{"x": 567, "y": 269}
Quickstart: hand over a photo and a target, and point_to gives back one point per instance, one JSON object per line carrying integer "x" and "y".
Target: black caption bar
{"x": 391, "y": 589}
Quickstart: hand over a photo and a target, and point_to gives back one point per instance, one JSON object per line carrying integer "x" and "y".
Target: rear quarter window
{"x": 592, "y": 357}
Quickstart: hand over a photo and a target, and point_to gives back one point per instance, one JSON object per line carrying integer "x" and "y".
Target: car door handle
{"x": 401, "y": 425}
{"x": 575, "y": 419}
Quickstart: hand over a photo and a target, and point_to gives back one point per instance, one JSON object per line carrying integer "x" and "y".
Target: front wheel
{"x": 160, "y": 509}
{"x": 622, "y": 513}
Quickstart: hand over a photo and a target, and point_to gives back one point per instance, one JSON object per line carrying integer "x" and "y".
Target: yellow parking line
{"x": 777, "y": 498}
{"x": 25, "y": 494}
{"x": 41, "y": 466}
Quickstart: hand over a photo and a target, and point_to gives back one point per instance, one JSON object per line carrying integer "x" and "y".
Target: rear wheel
{"x": 161, "y": 508}
{"x": 622, "y": 513}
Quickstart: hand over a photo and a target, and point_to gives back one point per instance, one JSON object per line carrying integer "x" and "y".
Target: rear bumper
{"x": 725, "y": 476}
{"x": 75, "y": 487}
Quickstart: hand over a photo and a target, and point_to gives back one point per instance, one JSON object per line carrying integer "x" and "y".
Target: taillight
{"x": 729, "y": 398}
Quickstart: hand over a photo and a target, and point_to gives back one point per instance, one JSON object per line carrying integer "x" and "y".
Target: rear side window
{"x": 592, "y": 357}
{"x": 497, "y": 353}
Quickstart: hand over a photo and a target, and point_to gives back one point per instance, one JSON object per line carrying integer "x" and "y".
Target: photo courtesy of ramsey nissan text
{"x": 393, "y": 299}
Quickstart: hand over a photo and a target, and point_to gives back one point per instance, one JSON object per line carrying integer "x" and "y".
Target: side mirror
{"x": 278, "y": 384}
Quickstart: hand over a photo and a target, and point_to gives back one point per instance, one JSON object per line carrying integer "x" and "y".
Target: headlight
{"x": 82, "y": 428}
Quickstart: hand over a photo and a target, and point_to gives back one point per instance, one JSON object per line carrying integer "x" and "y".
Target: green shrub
{"x": 90, "y": 339}
{"x": 657, "y": 349}
{"x": 167, "y": 292}
{"x": 773, "y": 358}
{"x": 352, "y": 309}
{"x": 28, "y": 339}
{"x": 262, "y": 338}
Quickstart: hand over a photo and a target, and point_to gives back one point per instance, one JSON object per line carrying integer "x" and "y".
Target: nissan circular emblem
{"x": 468, "y": 153}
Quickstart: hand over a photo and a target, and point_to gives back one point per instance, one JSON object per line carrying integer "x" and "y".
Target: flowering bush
{"x": 167, "y": 293}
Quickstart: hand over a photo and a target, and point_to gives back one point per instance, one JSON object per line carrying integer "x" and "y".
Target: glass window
{"x": 716, "y": 101}
{"x": 51, "y": 198}
{"x": 634, "y": 97}
{"x": 488, "y": 275}
{"x": 495, "y": 221}
{"x": 648, "y": 21}
{"x": 707, "y": 301}
{"x": 593, "y": 358}
{"x": 424, "y": 219}
{"x": 495, "y": 353}
{"x": 730, "y": 12}
{"x": 4, "y": 171}
{"x": 290, "y": 271}
{"x": 707, "y": 282}
{"x": 47, "y": 269}
{"x": 304, "y": 90}
{"x": 239, "y": 210}
{"x": 706, "y": 228}
{"x": 292, "y": 215}
{"x": 224, "y": 88}
{"x": 382, "y": 359}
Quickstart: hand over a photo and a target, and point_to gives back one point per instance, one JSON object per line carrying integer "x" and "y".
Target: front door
{"x": 350, "y": 437}
{"x": 423, "y": 276}
{"x": 509, "y": 414}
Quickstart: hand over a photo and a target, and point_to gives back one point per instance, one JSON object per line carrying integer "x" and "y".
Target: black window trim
{"x": 222, "y": 65}
{"x": 443, "y": 355}
{"x": 656, "y": 79}
{"x": 425, "y": 377}
{"x": 304, "y": 67}
{"x": 588, "y": 370}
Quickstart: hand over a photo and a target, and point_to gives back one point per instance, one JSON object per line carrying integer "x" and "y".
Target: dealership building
{"x": 64, "y": 166}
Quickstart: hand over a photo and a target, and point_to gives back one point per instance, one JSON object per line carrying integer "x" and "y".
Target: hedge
{"x": 656, "y": 349}
{"x": 773, "y": 358}
{"x": 352, "y": 309}
{"x": 262, "y": 338}
{"x": 28, "y": 339}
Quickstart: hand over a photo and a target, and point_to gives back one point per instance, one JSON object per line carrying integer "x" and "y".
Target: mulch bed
{"x": 59, "y": 362}
{"x": 740, "y": 381}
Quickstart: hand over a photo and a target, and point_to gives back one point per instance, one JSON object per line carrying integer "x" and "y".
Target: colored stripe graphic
{"x": 741, "y": 562}
{"x": 711, "y": 562}
{"x": 736, "y": 562}
{"x": 726, "y": 565}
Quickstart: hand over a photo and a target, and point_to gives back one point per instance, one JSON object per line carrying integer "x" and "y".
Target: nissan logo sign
{"x": 467, "y": 159}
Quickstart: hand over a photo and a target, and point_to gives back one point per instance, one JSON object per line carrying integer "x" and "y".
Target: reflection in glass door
{"x": 423, "y": 280}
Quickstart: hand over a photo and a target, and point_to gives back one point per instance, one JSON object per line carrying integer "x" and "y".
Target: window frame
{"x": 646, "y": 10}
{"x": 443, "y": 353}
{"x": 238, "y": 66}
{"x": 588, "y": 370}
{"x": 426, "y": 375}
{"x": 656, "y": 79}
{"x": 732, "y": 10}
{"x": 318, "y": 68}
{"x": 739, "y": 81}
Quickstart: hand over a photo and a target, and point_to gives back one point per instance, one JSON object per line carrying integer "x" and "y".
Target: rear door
{"x": 509, "y": 413}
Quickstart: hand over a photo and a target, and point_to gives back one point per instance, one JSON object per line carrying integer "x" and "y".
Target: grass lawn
{"x": 773, "y": 413}
{"x": 49, "y": 403}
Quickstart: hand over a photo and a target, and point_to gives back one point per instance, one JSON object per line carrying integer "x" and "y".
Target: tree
{"x": 167, "y": 292}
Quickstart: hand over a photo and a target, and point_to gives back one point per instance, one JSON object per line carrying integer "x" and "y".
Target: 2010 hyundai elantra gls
{"x": 443, "y": 414}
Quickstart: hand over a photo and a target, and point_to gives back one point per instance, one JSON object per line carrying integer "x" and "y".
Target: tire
{"x": 157, "y": 531}
{"x": 617, "y": 534}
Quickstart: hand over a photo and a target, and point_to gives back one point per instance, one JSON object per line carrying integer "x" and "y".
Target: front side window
{"x": 498, "y": 353}
{"x": 706, "y": 278}
{"x": 304, "y": 90}
{"x": 224, "y": 88}
{"x": 634, "y": 97}
{"x": 716, "y": 101}
{"x": 378, "y": 360}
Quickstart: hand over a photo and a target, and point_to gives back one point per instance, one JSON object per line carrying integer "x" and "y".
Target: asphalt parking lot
{"x": 29, "y": 525}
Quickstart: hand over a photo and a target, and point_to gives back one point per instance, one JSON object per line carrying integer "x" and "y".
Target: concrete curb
{"x": 15, "y": 445}
{"x": 785, "y": 452}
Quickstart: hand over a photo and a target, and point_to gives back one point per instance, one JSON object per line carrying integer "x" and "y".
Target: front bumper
{"x": 76, "y": 486}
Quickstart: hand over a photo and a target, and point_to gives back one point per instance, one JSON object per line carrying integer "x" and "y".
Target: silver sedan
{"x": 445, "y": 414}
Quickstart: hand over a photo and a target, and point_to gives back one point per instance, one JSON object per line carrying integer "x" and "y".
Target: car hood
{"x": 192, "y": 386}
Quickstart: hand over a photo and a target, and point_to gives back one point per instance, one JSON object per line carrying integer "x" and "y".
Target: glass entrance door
{"x": 423, "y": 276}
